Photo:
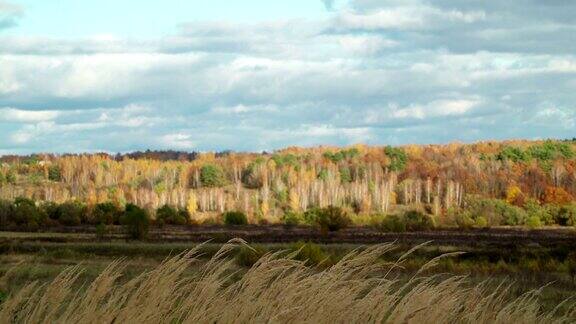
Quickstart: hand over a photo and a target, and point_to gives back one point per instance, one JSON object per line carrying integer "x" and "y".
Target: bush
{"x": 496, "y": 211}
{"x": 50, "y": 210}
{"x": 534, "y": 222}
{"x": 248, "y": 256}
{"x": 212, "y": 176}
{"x": 170, "y": 215}
{"x": 392, "y": 223}
{"x": 25, "y": 213}
{"x": 333, "y": 218}
{"x": 106, "y": 213}
{"x": 136, "y": 222}
{"x": 309, "y": 252}
{"x": 418, "y": 221}
{"x": 481, "y": 222}
{"x": 311, "y": 215}
{"x": 292, "y": 218}
{"x": 534, "y": 209}
{"x": 514, "y": 215}
{"x": 71, "y": 213}
{"x": 567, "y": 215}
{"x": 464, "y": 219}
{"x": 235, "y": 218}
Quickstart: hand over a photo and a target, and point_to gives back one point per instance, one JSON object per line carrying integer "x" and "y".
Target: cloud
{"x": 329, "y": 4}
{"x": 9, "y": 14}
{"x": 380, "y": 72}
{"x": 178, "y": 141}
{"x": 26, "y": 116}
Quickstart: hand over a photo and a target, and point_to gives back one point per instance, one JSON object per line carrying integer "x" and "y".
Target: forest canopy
{"x": 485, "y": 183}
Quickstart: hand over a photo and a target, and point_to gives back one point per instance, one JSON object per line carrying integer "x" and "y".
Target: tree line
{"x": 443, "y": 181}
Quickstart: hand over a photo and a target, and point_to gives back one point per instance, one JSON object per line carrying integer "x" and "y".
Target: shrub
{"x": 392, "y": 223}
{"x": 292, "y": 218}
{"x": 71, "y": 213}
{"x": 309, "y": 252}
{"x": 136, "y": 222}
{"x": 183, "y": 217}
{"x": 170, "y": 215}
{"x": 212, "y": 176}
{"x": 464, "y": 219}
{"x": 235, "y": 218}
{"x": 106, "y": 213}
{"x": 534, "y": 222}
{"x": 311, "y": 215}
{"x": 496, "y": 211}
{"x": 534, "y": 209}
{"x": 248, "y": 256}
{"x": 418, "y": 221}
{"x": 567, "y": 215}
{"x": 481, "y": 222}
{"x": 513, "y": 215}
{"x": 333, "y": 218}
{"x": 27, "y": 214}
{"x": 50, "y": 210}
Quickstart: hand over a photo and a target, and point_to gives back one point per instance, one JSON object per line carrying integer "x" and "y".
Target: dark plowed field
{"x": 497, "y": 237}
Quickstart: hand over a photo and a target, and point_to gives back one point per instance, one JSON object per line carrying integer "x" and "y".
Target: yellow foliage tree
{"x": 294, "y": 200}
{"x": 192, "y": 205}
{"x": 514, "y": 195}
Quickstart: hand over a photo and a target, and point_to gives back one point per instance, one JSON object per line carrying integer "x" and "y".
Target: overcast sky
{"x": 255, "y": 75}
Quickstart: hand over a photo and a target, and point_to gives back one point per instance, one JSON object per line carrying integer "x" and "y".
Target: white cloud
{"x": 406, "y": 18}
{"x": 26, "y": 116}
{"x": 178, "y": 141}
{"x": 374, "y": 71}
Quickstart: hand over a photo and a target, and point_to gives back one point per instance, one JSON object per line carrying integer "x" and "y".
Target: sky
{"x": 253, "y": 75}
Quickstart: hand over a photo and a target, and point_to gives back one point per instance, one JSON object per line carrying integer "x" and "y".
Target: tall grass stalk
{"x": 360, "y": 288}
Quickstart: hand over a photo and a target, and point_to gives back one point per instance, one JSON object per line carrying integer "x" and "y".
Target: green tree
{"x": 71, "y": 213}
{"x": 27, "y": 214}
{"x": 332, "y": 218}
{"x": 235, "y": 218}
{"x": 392, "y": 223}
{"x": 170, "y": 215}
{"x": 212, "y": 176}
{"x": 345, "y": 175}
{"x": 418, "y": 221}
{"x": 54, "y": 173}
{"x": 136, "y": 222}
{"x": 106, "y": 213}
{"x": 398, "y": 158}
{"x": 513, "y": 154}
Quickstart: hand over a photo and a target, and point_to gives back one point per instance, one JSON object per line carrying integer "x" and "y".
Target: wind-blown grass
{"x": 360, "y": 288}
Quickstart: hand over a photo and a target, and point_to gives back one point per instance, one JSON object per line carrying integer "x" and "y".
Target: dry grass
{"x": 277, "y": 289}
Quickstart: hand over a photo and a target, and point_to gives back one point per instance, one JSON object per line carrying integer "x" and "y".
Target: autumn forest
{"x": 526, "y": 183}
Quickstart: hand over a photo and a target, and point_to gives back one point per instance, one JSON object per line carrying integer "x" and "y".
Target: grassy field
{"x": 28, "y": 257}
